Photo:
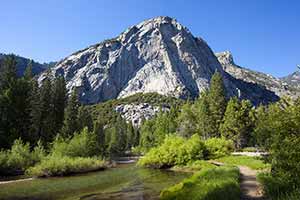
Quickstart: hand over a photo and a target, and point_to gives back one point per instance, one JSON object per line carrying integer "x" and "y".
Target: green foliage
{"x": 148, "y": 139}
{"x": 208, "y": 184}
{"x": 237, "y": 124}
{"x": 108, "y": 116}
{"x": 14, "y": 94}
{"x": 187, "y": 121}
{"x": 278, "y": 187}
{"x": 19, "y": 158}
{"x": 99, "y": 135}
{"x": 217, "y": 102}
{"x": 255, "y": 163}
{"x": 61, "y": 166}
{"x": 82, "y": 144}
{"x": 194, "y": 166}
{"x": 174, "y": 150}
{"x": 84, "y": 118}
{"x": 218, "y": 147}
{"x": 59, "y": 101}
{"x": 116, "y": 137}
{"x": 278, "y": 131}
{"x": 203, "y": 117}
{"x": 46, "y": 128}
{"x": 71, "y": 116}
{"x": 154, "y": 131}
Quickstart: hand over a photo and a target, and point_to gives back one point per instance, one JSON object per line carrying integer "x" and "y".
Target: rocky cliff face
{"x": 136, "y": 113}
{"x": 279, "y": 86}
{"x": 293, "y": 79}
{"x": 158, "y": 55}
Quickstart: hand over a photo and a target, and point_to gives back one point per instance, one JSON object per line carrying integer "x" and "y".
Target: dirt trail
{"x": 250, "y": 187}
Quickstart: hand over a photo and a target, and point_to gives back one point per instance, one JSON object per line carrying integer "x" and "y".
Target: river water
{"x": 126, "y": 182}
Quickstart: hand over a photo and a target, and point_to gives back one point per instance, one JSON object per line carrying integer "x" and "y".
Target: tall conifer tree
{"x": 71, "y": 115}
{"x": 217, "y": 101}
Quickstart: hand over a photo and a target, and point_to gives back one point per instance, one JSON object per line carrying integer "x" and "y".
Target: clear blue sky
{"x": 262, "y": 34}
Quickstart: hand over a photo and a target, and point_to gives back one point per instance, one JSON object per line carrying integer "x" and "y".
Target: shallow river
{"x": 126, "y": 182}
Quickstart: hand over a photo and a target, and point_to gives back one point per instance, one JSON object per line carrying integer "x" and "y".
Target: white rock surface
{"x": 136, "y": 113}
{"x": 271, "y": 83}
{"x": 158, "y": 55}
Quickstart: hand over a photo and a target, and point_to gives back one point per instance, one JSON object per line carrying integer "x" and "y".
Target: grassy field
{"x": 208, "y": 184}
{"x": 251, "y": 162}
{"x": 194, "y": 166}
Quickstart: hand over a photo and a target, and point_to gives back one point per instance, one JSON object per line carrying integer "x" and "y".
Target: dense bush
{"x": 277, "y": 131}
{"x": 82, "y": 144}
{"x": 218, "y": 147}
{"x": 19, "y": 158}
{"x": 278, "y": 187}
{"x": 208, "y": 184}
{"x": 60, "y": 166}
{"x": 175, "y": 150}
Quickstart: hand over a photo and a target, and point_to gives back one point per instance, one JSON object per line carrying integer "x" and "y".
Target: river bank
{"x": 126, "y": 181}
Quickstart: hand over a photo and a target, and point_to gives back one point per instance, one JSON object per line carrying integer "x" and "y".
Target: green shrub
{"x": 61, "y": 166}
{"x": 82, "y": 144}
{"x": 3, "y": 162}
{"x": 218, "y": 147}
{"x": 278, "y": 187}
{"x": 19, "y": 158}
{"x": 175, "y": 150}
{"x": 213, "y": 184}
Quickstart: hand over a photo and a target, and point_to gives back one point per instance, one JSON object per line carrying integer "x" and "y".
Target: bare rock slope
{"x": 281, "y": 87}
{"x": 158, "y": 55}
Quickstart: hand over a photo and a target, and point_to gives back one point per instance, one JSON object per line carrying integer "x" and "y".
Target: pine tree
{"x": 35, "y": 113}
{"x": 71, "y": 116}
{"x": 204, "y": 119}
{"x": 47, "y": 123}
{"x": 130, "y": 136}
{"x": 187, "y": 121}
{"x": 25, "y": 85}
{"x": 136, "y": 139}
{"x": 217, "y": 101}
{"x": 8, "y": 73}
{"x": 59, "y": 100}
{"x": 100, "y": 137}
{"x": 28, "y": 72}
{"x": 237, "y": 125}
{"x": 117, "y": 137}
{"x": 147, "y": 138}
{"x": 84, "y": 118}
{"x": 9, "y": 115}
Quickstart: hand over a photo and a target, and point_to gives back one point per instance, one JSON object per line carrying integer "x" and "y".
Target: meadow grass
{"x": 193, "y": 166}
{"x": 255, "y": 163}
{"x": 208, "y": 184}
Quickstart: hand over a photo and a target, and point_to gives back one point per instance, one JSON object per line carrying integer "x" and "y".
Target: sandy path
{"x": 250, "y": 187}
